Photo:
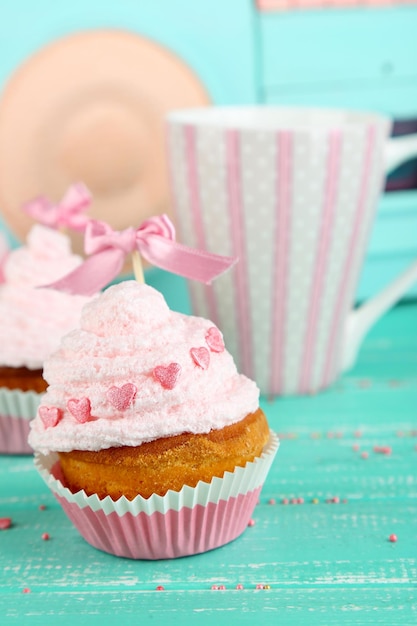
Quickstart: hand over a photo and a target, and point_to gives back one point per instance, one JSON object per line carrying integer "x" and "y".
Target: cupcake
{"x": 32, "y": 323}
{"x": 150, "y": 439}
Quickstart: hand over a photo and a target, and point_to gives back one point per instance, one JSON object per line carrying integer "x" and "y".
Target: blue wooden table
{"x": 349, "y": 459}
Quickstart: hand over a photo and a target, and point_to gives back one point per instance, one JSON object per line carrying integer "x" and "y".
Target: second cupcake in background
{"x": 32, "y": 322}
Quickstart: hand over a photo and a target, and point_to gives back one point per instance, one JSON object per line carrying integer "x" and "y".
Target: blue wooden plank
{"x": 393, "y": 97}
{"x": 359, "y": 57}
{"x": 395, "y": 226}
{"x": 309, "y": 47}
{"x": 379, "y": 271}
{"x": 395, "y": 606}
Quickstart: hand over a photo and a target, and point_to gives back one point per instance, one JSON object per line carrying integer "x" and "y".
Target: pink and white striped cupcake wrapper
{"x": 17, "y": 408}
{"x": 182, "y": 523}
{"x": 291, "y": 193}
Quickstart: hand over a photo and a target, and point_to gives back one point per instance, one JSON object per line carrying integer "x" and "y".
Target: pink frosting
{"x": 33, "y": 320}
{"x": 110, "y": 368}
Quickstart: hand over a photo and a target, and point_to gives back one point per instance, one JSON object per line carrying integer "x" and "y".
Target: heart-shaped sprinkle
{"x": 122, "y": 397}
{"x": 50, "y": 415}
{"x": 214, "y": 339}
{"x": 168, "y": 375}
{"x": 201, "y": 356}
{"x": 80, "y": 409}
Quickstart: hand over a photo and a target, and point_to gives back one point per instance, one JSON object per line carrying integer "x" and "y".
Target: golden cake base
{"x": 166, "y": 463}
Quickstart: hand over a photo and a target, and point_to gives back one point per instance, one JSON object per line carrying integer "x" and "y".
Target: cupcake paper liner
{"x": 181, "y": 523}
{"x": 17, "y": 408}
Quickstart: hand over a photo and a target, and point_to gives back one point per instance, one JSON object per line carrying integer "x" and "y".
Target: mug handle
{"x": 360, "y": 320}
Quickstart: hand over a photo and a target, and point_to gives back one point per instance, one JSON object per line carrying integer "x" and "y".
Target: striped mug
{"x": 291, "y": 192}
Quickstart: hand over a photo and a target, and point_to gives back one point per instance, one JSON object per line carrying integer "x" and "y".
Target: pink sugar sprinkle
{"x": 357, "y": 433}
{"x": 355, "y": 447}
{"x": 160, "y": 588}
{"x": 80, "y": 408}
{"x": 50, "y": 415}
{"x": 286, "y": 501}
{"x": 300, "y": 500}
{"x": 271, "y": 501}
{"x": 251, "y": 522}
{"x": 121, "y": 397}
{"x": 167, "y": 376}
{"x": 394, "y": 383}
{"x": 5, "y": 523}
{"x": 383, "y": 449}
{"x": 214, "y": 339}
{"x": 364, "y": 455}
{"x": 259, "y": 586}
{"x": 201, "y": 357}
{"x": 26, "y": 590}
{"x": 393, "y": 538}
{"x": 239, "y": 586}
{"x": 42, "y": 507}
{"x": 45, "y": 536}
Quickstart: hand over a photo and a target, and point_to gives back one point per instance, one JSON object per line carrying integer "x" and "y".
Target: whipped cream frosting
{"x": 138, "y": 371}
{"x": 33, "y": 320}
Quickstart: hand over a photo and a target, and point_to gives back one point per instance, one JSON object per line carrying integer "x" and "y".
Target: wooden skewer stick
{"x": 137, "y": 267}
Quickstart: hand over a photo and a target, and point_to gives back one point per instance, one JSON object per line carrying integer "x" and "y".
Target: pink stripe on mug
{"x": 280, "y": 257}
{"x": 342, "y": 303}
{"x": 237, "y": 235}
{"x": 324, "y": 243}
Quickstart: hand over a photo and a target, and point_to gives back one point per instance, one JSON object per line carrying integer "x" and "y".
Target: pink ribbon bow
{"x": 69, "y": 212}
{"x": 155, "y": 241}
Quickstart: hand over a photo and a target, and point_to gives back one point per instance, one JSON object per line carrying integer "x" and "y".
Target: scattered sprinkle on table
{"x": 5, "y": 523}
{"x": 393, "y": 538}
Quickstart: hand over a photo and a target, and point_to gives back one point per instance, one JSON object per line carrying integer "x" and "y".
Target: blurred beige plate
{"x": 90, "y": 107}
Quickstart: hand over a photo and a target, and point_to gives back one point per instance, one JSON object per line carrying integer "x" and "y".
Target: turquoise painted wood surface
{"x": 362, "y": 57}
{"x": 325, "y": 563}
{"x": 393, "y": 243}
